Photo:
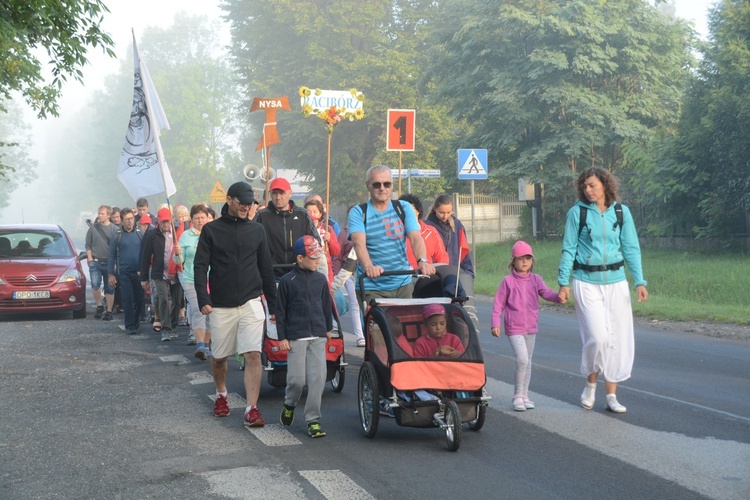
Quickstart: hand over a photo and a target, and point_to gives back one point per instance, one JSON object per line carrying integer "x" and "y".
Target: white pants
{"x": 605, "y": 320}
{"x": 354, "y": 308}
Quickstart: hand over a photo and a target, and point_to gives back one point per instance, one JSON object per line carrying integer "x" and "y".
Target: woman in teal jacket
{"x": 600, "y": 238}
{"x": 184, "y": 254}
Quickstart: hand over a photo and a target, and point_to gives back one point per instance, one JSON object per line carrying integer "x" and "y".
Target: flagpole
{"x": 154, "y": 128}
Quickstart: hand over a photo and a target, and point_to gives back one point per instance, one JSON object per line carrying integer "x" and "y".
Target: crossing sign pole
{"x": 472, "y": 165}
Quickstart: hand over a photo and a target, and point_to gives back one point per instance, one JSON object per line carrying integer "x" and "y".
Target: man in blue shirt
{"x": 379, "y": 237}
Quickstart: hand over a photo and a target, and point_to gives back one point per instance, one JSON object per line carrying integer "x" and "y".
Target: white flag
{"x": 142, "y": 168}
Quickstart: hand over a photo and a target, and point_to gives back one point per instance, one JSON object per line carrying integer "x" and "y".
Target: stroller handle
{"x": 412, "y": 272}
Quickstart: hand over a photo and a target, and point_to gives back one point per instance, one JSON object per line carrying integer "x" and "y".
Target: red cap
{"x": 164, "y": 214}
{"x": 145, "y": 219}
{"x": 281, "y": 184}
{"x": 432, "y": 310}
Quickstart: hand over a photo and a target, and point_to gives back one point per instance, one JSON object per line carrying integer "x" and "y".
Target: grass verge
{"x": 682, "y": 286}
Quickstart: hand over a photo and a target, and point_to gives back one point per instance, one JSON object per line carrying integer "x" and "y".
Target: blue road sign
{"x": 472, "y": 164}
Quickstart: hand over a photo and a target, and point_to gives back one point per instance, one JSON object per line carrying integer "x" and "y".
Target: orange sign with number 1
{"x": 400, "y": 132}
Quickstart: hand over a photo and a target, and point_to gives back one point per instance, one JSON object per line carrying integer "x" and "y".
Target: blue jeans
{"x": 132, "y": 298}
{"x": 98, "y": 272}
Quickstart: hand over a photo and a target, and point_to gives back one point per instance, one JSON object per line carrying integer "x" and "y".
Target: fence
{"x": 495, "y": 219}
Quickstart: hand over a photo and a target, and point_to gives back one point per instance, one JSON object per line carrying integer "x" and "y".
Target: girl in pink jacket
{"x": 518, "y": 297}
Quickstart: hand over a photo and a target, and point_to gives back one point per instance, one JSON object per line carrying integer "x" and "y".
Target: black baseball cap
{"x": 243, "y": 192}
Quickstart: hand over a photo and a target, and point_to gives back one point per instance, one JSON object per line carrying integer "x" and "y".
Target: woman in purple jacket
{"x": 518, "y": 297}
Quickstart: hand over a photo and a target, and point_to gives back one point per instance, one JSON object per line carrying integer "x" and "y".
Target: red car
{"x": 40, "y": 271}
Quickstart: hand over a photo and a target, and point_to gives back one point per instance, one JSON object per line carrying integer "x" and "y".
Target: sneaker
{"x": 200, "y": 353}
{"x": 314, "y": 430}
{"x": 361, "y": 343}
{"x": 253, "y": 418}
{"x": 173, "y": 334}
{"x": 107, "y": 316}
{"x": 221, "y": 406}
{"x": 191, "y": 339}
{"x": 518, "y": 404}
{"x": 613, "y": 405}
{"x": 385, "y": 409}
{"x": 528, "y": 403}
{"x": 166, "y": 337}
{"x": 99, "y": 312}
{"x": 287, "y": 415}
{"x": 182, "y": 322}
{"x": 132, "y": 331}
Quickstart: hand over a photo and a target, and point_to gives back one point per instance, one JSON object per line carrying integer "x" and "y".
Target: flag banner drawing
{"x": 142, "y": 168}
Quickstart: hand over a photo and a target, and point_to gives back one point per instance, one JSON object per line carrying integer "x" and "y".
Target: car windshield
{"x": 34, "y": 244}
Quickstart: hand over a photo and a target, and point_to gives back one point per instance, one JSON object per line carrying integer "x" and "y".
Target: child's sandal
{"x": 518, "y": 404}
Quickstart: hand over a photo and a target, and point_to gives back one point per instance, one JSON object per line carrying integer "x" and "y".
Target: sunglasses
{"x": 386, "y": 184}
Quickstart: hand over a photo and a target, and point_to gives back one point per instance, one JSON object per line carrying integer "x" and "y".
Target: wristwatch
{"x": 421, "y": 259}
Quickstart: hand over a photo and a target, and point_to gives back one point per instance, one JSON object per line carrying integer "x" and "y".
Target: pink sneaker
{"x": 253, "y": 418}
{"x": 221, "y": 406}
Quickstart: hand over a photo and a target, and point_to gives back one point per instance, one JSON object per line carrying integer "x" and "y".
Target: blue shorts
{"x": 98, "y": 272}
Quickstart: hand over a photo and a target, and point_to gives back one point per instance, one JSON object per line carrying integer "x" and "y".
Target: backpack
{"x": 582, "y": 224}
{"x": 584, "y": 211}
{"x": 396, "y": 206}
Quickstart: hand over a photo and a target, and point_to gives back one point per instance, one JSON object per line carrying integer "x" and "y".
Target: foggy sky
{"x": 36, "y": 202}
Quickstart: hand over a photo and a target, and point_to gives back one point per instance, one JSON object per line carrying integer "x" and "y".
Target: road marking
{"x": 252, "y": 482}
{"x": 274, "y": 435}
{"x": 621, "y": 387}
{"x": 200, "y": 378}
{"x": 234, "y": 400}
{"x": 177, "y": 359}
{"x": 712, "y": 467}
{"x": 334, "y": 484}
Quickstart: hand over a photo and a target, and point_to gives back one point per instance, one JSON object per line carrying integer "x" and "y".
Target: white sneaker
{"x": 588, "y": 396}
{"x": 613, "y": 405}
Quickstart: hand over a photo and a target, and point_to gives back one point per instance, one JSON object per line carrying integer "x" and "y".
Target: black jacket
{"x": 232, "y": 256}
{"x": 283, "y": 228}
{"x": 153, "y": 246}
{"x": 304, "y": 308}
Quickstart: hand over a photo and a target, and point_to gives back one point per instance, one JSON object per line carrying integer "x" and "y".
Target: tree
{"x": 196, "y": 90}
{"x": 64, "y": 30}
{"x": 715, "y": 127}
{"x": 14, "y": 153}
{"x": 375, "y": 46}
{"x": 553, "y": 87}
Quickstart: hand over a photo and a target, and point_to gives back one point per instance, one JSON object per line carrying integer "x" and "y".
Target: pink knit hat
{"x": 522, "y": 248}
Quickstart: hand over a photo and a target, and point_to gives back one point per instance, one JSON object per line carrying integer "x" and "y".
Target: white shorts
{"x": 237, "y": 329}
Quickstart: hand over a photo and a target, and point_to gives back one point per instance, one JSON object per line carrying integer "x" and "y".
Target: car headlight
{"x": 70, "y": 275}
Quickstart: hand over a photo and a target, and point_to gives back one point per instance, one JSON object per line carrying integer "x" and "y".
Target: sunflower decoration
{"x": 334, "y": 115}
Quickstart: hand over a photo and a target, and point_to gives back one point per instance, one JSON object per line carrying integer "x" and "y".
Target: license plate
{"x": 43, "y": 294}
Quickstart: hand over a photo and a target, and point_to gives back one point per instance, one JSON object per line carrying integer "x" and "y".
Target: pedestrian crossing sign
{"x": 472, "y": 164}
